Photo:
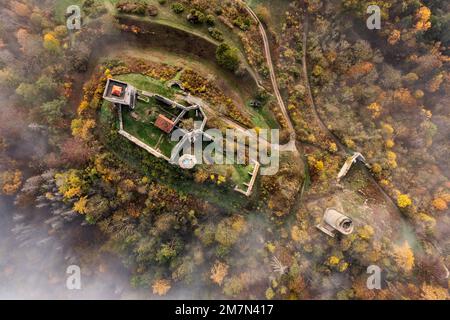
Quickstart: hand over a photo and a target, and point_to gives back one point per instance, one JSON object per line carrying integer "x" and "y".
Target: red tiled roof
{"x": 116, "y": 91}
{"x": 164, "y": 123}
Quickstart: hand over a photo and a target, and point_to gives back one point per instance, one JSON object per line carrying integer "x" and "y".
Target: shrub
{"x": 210, "y": 19}
{"x": 177, "y": 7}
{"x": 403, "y": 201}
{"x": 227, "y": 57}
{"x": 132, "y": 7}
{"x": 242, "y": 23}
{"x": 152, "y": 10}
{"x": 215, "y": 34}
{"x": 196, "y": 17}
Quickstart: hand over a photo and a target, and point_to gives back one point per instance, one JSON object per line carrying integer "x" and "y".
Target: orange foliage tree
{"x": 218, "y": 272}
{"x": 161, "y": 287}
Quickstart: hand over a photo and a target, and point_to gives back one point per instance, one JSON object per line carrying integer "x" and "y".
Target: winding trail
{"x": 273, "y": 77}
{"x": 343, "y": 150}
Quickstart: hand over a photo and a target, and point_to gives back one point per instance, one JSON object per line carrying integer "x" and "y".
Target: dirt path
{"x": 343, "y": 150}
{"x": 239, "y": 127}
{"x": 273, "y": 77}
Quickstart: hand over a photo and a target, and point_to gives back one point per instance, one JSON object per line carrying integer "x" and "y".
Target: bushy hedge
{"x": 227, "y": 57}
{"x": 215, "y": 34}
{"x": 177, "y": 7}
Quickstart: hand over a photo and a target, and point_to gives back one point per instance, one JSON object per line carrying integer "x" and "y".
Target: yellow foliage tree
{"x": 82, "y": 107}
{"x": 423, "y": 16}
{"x": 390, "y": 143}
{"x": 238, "y": 224}
{"x": 375, "y": 109}
{"x": 404, "y": 257}
{"x": 69, "y": 184}
{"x": 81, "y": 128}
{"x": 430, "y": 292}
{"x": 391, "y": 159}
{"x": 299, "y": 235}
{"x": 333, "y": 147}
{"x": 80, "y": 205}
{"x": 51, "y": 43}
{"x": 387, "y": 129}
{"x": 376, "y": 168}
{"x": 10, "y": 181}
{"x": 366, "y": 232}
{"x": 403, "y": 201}
{"x": 333, "y": 260}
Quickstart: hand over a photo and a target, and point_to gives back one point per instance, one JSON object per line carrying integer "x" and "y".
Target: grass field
{"x": 144, "y": 128}
{"x": 277, "y": 9}
{"x": 143, "y": 82}
{"x": 61, "y": 8}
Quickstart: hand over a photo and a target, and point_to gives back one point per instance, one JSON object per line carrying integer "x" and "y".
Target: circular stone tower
{"x": 187, "y": 161}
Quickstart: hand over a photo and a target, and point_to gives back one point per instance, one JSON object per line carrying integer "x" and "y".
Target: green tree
{"x": 227, "y": 57}
{"x": 169, "y": 250}
{"x": 226, "y": 235}
{"x": 177, "y": 7}
{"x": 27, "y": 92}
{"x": 52, "y": 110}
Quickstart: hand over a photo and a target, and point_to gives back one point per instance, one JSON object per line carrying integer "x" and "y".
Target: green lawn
{"x": 61, "y": 8}
{"x": 237, "y": 173}
{"x": 143, "y": 128}
{"x": 277, "y": 10}
{"x": 146, "y": 83}
{"x": 148, "y": 133}
{"x": 244, "y": 177}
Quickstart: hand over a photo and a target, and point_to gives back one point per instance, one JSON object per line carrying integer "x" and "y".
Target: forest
{"x": 72, "y": 189}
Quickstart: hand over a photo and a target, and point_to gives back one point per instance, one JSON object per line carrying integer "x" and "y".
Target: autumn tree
{"x": 404, "y": 257}
{"x": 75, "y": 152}
{"x": 233, "y": 286}
{"x": 403, "y": 201}
{"x": 70, "y": 184}
{"x": 218, "y": 272}
{"x": 228, "y": 230}
{"x": 430, "y": 292}
{"x": 81, "y": 128}
{"x": 20, "y": 9}
{"x": 80, "y": 205}
{"x": 161, "y": 287}
{"x": 51, "y": 43}
{"x": 423, "y": 19}
{"x": 10, "y": 181}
